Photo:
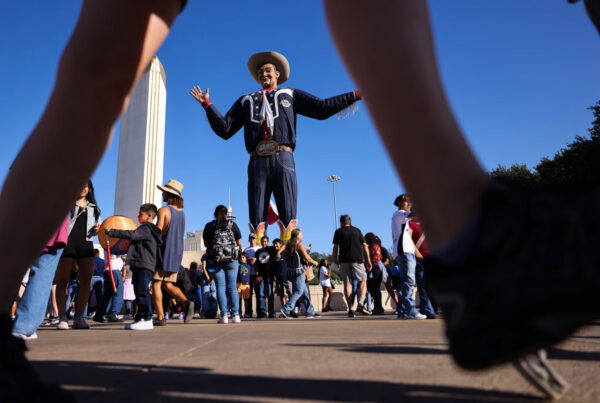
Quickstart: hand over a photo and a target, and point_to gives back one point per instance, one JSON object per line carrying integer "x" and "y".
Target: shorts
{"x": 78, "y": 250}
{"x": 243, "y": 290}
{"x": 353, "y": 271}
{"x": 166, "y": 276}
{"x": 284, "y": 287}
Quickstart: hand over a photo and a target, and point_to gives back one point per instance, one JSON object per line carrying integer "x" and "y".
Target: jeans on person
{"x": 128, "y": 306}
{"x": 96, "y": 285}
{"x": 374, "y": 286}
{"x": 226, "y": 281}
{"x": 141, "y": 286}
{"x": 265, "y": 294}
{"x": 407, "y": 262}
{"x": 32, "y": 308}
{"x": 111, "y": 297}
{"x": 299, "y": 292}
{"x": 252, "y": 291}
{"x": 355, "y": 294}
{"x": 209, "y": 297}
{"x": 425, "y": 306}
{"x": 73, "y": 294}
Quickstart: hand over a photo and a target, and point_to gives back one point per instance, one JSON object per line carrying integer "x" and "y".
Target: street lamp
{"x": 333, "y": 179}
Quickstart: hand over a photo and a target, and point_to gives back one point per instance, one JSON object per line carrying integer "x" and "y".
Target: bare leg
{"x": 157, "y": 299}
{"x": 348, "y": 293}
{"x": 404, "y": 94}
{"x": 63, "y": 273}
{"x": 362, "y": 290}
{"x": 175, "y": 292}
{"x": 112, "y": 43}
{"x": 53, "y": 304}
{"x": 86, "y": 270}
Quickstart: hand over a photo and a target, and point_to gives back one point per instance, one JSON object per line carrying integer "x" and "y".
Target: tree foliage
{"x": 575, "y": 168}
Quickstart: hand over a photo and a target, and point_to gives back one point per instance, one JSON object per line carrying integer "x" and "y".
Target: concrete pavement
{"x": 333, "y": 359}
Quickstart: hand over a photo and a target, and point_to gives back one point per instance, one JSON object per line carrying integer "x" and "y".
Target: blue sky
{"x": 519, "y": 76}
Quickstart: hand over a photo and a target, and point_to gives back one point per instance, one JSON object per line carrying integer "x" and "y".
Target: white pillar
{"x": 141, "y": 144}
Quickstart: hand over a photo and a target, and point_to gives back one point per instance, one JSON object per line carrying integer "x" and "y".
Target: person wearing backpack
{"x": 297, "y": 258}
{"x": 222, "y": 239}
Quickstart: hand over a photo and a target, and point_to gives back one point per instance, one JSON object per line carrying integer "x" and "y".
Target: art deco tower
{"x": 141, "y": 144}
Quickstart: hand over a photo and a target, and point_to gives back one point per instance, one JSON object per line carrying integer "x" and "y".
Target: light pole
{"x": 333, "y": 179}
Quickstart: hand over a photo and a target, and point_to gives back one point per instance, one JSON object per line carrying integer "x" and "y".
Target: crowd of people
{"x": 149, "y": 285}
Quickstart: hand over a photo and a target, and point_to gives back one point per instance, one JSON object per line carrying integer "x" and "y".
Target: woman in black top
{"x": 83, "y": 226}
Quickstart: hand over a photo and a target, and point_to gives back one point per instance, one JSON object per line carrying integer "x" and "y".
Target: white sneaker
{"x": 223, "y": 319}
{"x": 236, "y": 319}
{"x": 24, "y": 336}
{"x": 140, "y": 325}
{"x": 80, "y": 323}
{"x": 416, "y": 317}
{"x": 63, "y": 325}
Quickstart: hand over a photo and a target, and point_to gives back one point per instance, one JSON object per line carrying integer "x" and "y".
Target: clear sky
{"x": 519, "y": 76}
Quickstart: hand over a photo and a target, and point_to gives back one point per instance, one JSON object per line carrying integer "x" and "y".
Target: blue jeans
{"x": 32, "y": 308}
{"x": 299, "y": 292}
{"x": 110, "y": 297}
{"x": 272, "y": 175}
{"x": 97, "y": 285}
{"x": 141, "y": 286}
{"x": 72, "y": 294}
{"x": 355, "y": 293}
{"x": 264, "y": 293}
{"x": 425, "y": 306}
{"x": 225, "y": 278}
{"x": 407, "y": 262}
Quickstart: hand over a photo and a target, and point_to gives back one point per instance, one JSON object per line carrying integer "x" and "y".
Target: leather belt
{"x": 273, "y": 148}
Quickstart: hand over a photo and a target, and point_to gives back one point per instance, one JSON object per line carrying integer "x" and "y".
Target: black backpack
{"x": 224, "y": 247}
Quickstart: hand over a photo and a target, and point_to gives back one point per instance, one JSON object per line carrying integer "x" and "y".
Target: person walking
{"x": 296, "y": 259}
{"x": 352, "y": 253}
{"x": 376, "y": 273}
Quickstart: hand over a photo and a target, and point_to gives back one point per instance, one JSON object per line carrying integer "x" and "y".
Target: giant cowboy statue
{"x": 269, "y": 120}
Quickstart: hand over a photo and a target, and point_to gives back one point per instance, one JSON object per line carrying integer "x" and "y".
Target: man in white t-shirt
{"x": 251, "y": 252}
{"x": 404, "y": 254}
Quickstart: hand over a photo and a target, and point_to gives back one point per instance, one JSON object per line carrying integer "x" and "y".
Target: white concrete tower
{"x": 142, "y": 144}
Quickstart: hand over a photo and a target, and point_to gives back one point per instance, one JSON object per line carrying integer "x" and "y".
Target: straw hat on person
{"x": 173, "y": 187}
{"x": 269, "y": 56}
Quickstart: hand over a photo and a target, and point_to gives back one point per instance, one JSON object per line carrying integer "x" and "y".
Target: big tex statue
{"x": 269, "y": 120}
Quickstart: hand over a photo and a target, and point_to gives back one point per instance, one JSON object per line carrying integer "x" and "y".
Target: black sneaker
{"x": 293, "y": 314}
{"x": 361, "y": 309}
{"x": 19, "y": 381}
{"x": 98, "y": 319}
{"x": 160, "y": 322}
{"x": 271, "y": 315}
{"x": 350, "y": 313}
{"x": 115, "y": 319}
{"x": 515, "y": 238}
{"x": 378, "y": 311}
{"x": 283, "y": 314}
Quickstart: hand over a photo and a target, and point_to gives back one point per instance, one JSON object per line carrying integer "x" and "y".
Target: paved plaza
{"x": 332, "y": 359}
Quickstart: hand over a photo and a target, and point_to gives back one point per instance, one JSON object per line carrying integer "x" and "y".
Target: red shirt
{"x": 375, "y": 254}
{"x": 417, "y": 231}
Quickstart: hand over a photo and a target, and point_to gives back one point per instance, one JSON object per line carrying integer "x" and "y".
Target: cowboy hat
{"x": 275, "y": 58}
{"x": 173, "y": 187}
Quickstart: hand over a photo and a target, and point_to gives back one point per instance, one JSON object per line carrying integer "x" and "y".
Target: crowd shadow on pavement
{"x": 114, "y": 382}
{"x": 380, "y": 348}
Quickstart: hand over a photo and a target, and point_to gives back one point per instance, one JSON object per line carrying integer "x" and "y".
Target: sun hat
{"x": 173, "y": 187}
{"x": 277, "y": 59}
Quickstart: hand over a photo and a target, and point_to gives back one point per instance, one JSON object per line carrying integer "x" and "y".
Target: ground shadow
{"x": 380, "y": 348}
{"x": 560, "y": 354}
{"x": 98, "y": 382}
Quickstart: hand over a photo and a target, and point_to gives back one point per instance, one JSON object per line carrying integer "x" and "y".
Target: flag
{"x": 272, "y": 214}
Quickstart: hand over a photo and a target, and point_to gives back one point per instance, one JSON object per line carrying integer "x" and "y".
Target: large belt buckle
{"x": 266, "y": 148}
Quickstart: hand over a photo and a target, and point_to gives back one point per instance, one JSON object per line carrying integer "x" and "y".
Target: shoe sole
{"x": 536, "y": 369}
